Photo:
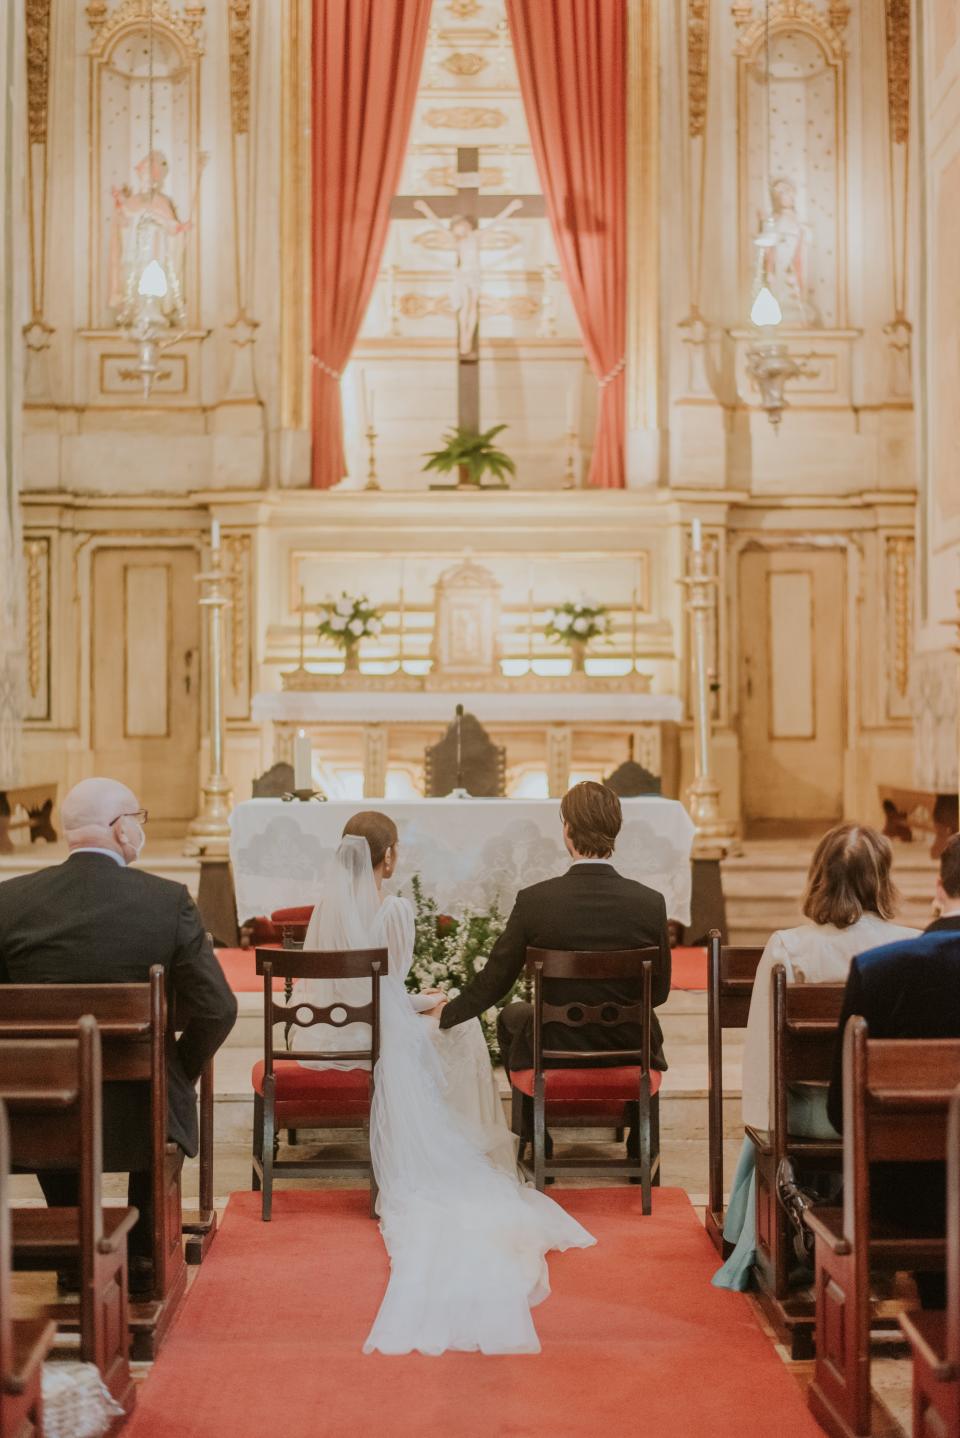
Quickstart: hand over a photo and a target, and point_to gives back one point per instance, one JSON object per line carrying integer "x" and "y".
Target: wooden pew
{"x": 730, "y": 975}
{"x": 935, "y": 1337}
{"x": 24, "y": 1342}
{"x": 36, "y": 801}
{"x": 52, "y": 1089}
{"x": 199, "y": 1228}
{"x": 803, "y": 1031}
{"x": 132, "y": 1021}
{"x": 896, "y": 1094}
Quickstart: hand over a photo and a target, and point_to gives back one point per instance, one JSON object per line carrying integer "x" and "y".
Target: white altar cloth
{"x": 373, "y": 706}
{"x": 469, "y": 853}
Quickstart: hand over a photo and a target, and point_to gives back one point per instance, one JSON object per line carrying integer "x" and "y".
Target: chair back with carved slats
{"x": 290, "y": 965}
{"x": 731, "y": 971}
{"x": 482, "y": 763}
{"x": 600, "y": 965}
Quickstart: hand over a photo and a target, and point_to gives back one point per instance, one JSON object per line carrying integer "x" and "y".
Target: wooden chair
{"x": 730, "y": 975}
{"x": 132, "y": 1021}
{"x": 896, "y": 1096}
{"x": 803, "y": 1036}
{"x": 24, "y": 1342}
{"x": 935, "y": 1337}
{"x": 482, "y": 766}
{"x": 52, "y": 1089}
{"x": 288, "y": 1095}
{"x": 573, "y": 1096}
{"x": 36, "y": 801}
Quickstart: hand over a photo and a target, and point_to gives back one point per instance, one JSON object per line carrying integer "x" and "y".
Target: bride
{"x": 466, "y": 1239}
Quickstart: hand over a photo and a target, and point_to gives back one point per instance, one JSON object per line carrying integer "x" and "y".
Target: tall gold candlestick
{"x": 714, "y": 835}
{"x": 372, "y": 481}
{"x": 401, "y": 622}
{"x": 209, "y": 833}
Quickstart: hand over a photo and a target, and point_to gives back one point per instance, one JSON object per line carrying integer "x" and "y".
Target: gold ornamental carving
{"x": 36, "y": 555}
{"x": 826, "y": 26}
{"x": 186, "y": 24}
{"x": 465, "y": 117}
{"x": 463, "y": 9}
{"x": 901, "y": 550}
{"x": 236, "y": 561}
{"x": 898, "y": 69}
{"x": 416, "y": 306}
{"x": 38, "y": 68}
{"x": 238, "y": 22}
{"x": 491, "y": 177}
{"x": 464, "y": 63}
{"x": 698, "y": 64}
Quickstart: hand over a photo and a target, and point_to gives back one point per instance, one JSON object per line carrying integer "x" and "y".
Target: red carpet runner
{"x": 635, "y": 1340}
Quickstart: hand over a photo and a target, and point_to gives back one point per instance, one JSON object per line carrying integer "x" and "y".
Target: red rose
{"x": 446, "y": 924}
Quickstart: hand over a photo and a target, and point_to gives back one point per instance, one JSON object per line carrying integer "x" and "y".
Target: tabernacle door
{"x": 146, "y": 679}
{"x": 792, "y": 668}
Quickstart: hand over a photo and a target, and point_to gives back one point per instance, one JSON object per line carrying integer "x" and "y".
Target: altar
{"x": 469, "y": 853}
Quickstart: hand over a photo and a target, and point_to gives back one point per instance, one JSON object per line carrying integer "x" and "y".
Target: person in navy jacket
{"x": 910, "y": 990}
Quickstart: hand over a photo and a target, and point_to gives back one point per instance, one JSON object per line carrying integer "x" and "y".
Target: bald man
{"x": 94, "y": 920}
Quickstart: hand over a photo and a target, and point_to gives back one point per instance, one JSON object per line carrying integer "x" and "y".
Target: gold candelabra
{"x": 209, "y": 833}
{"x": 372, "y": 481}
{"x": 570, "y": 473}
{"x": 714, "y": 835}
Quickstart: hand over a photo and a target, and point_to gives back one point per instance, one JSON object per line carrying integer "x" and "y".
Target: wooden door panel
{"x": 145, "y": 696}
{"x": 792, "y": 677}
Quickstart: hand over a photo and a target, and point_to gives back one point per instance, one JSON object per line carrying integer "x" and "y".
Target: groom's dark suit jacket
{"x": 93, "y": 921}
{"x": 589, "y": 907}
{"x": 906, "y": 990}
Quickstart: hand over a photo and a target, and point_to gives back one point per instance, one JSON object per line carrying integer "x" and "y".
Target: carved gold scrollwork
{"x": 898, "y": 69}
{"x": 698, "y": 63}
{"x": 465, "y": 117}
{"x": 237, "y": 554}
{"x": 490, "y": 177}
{"x": 900, "y": 549}
{"x": 38, "y": 69}
{"x": 463, "y": 9}
{"x": 827, "y": 26}
{"x": 36, "y": 556}
{"x": 464, "y": 62}
{"x": 186, "y": 24}
{"x": 239, "y": 32}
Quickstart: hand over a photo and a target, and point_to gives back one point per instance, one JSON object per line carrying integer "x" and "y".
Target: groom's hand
{"x": 437, "y": 1009}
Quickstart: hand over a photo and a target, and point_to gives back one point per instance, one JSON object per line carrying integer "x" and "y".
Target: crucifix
{"x": 457, "y": 225}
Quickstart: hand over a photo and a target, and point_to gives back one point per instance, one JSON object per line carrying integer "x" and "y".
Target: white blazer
{"x": 811, "y": 954}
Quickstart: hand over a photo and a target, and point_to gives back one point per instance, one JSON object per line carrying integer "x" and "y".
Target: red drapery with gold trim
{"x": 367, "y": 56}
{"x": 572, "y": 60}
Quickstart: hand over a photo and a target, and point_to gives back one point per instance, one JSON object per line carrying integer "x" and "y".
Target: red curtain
{"x": 367, "y": 56}
{"x": 572, "y": 59}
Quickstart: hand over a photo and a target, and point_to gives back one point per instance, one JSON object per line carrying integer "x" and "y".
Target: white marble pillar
{"x": 12, "y": 229}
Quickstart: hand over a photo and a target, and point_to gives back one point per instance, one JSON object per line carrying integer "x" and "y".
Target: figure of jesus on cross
{"x": 458, "y": 225}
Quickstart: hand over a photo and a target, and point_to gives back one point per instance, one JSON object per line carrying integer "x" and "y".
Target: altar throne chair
{"x": 630, "y": 780}
{"x": 578, "y": 1096}
{"x": 483, "y": 764}
{"x": 287, "y": 1095}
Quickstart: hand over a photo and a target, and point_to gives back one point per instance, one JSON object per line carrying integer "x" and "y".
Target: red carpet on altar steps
{"x": 634, "y": 1338}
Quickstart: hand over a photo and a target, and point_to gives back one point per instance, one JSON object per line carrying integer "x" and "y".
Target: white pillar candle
{"x": 697, "y": 536}
{"x": 302, "y": 762}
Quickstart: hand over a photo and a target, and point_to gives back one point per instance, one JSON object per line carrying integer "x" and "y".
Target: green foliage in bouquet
{"x": 577, "y": 621}
{"x": 448, "y": 952}
{"x": 347, "y": 620}
{"x": 472, "y": 454}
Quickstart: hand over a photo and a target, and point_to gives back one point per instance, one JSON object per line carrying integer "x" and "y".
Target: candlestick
{"x": 714, "y": 836}
{"x": 209, "y": 832}
{"x": 697, "y": 536}
{"x": 633, "y": 631}
{"x": 372, "y": 481}
{"x": 570, "y": 473}
{"x": 401, "y": 622}
{"x": 302, "y": 762}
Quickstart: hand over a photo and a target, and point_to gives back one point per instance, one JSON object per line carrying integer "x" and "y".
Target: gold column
{"x": 209, "y": 833}
{"x": 714, "y": 835}
{"x": 643, "y": 218}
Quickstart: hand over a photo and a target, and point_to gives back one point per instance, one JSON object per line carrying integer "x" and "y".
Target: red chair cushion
{"x": 597, "y": 1088}
{"x": 301, "y": 915}
{"x": 327, "y": 1093}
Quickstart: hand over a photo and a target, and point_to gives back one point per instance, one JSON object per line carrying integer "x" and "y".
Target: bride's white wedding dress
{"x": 467, "y": 1240}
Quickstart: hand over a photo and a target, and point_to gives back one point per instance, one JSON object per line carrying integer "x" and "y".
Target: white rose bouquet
{"x": 575, "y": 623}
{"x": 347, "y": 620}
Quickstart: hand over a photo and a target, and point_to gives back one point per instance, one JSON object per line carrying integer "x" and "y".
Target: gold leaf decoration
{"x": 464, "y": 62}
{"x": 38, "y": 69}
{"x": 446, "y": 175}
{"x": 463, "y": 9}
{"x": 238, "y": 23}
{"x": 698, "y": 60}
{"x": 898, "y": 69}
{"x": 465, "y": 117}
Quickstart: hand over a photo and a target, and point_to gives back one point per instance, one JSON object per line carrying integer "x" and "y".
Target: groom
{"x": 591, "y": 906}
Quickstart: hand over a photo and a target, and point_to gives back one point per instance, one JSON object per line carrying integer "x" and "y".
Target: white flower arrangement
{"x": 577, "y": 621}
{"x": 347, "y": 620}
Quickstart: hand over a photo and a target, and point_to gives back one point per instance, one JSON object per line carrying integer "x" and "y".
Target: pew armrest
{"x": 927, "y": 1334}
{"x": 32, "y": 1340}
{"x": 826, "y": 1225}
{"x": 121, "y": 1221}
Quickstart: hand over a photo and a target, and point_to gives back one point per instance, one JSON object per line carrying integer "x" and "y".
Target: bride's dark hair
{"x": 378, "y": 829}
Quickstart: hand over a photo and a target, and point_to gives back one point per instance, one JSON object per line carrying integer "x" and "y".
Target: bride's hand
{"x": 438, "y": 1009}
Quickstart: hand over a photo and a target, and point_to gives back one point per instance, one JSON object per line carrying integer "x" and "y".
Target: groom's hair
{"x": 378, "y": 829}
{"x": 593, "y": 817}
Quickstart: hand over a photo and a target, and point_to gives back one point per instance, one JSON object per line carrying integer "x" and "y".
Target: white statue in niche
{"x": 145, "y": 226}
{"x": 467, "y": 238}
{"x": 784, "y": 254}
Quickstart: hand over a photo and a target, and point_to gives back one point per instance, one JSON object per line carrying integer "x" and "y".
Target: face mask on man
{"x": 132, "y": 838}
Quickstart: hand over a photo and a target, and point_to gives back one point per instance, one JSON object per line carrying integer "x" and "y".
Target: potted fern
{"x": 472, "y": 453}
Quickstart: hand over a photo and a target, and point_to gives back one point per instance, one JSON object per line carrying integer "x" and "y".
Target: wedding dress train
{"x": 467, "y": 1241}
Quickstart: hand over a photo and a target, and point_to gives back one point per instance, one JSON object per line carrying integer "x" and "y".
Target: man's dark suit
{"x": 92, "y": 921}
{"x": 589, "y": 907}
{"x": 907, "y": 990}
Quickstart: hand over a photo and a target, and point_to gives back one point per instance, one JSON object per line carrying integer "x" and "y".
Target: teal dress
{"x": 807, "y": 1114}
